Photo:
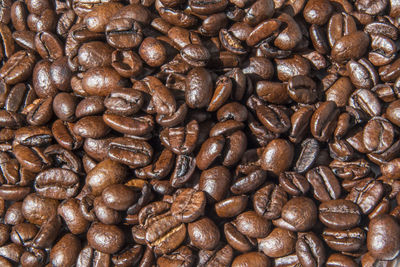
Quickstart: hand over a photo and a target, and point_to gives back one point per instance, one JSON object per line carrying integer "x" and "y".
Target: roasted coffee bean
{"x": 91, "y": 127}
{"x": 215, "y": 183}
{"x": 350, "y": 170}
{"x": 188, "y": 205}
{"x": 166, "y": 234}
{"x": 48, "y": 46}
{"x": 65, "y": 251}
{"x": 340, "y": 260}
{"x": 18, "y": 67}
{"x": 293, "y": 183}
{"x": 352, "y": 46}
{"x": 105, "y": 238}
{"x": 103, "y": 213}
{"x": 273, "y": 118}
{"x": 137, "y": 126}
{"x": 105, "y": 173}
{"x": 249, "y": 183}
{"x": 277, "y": 156}
{"x": 298, "y": 214}
{"x": 181, "y": 140}
{"x": 280, "y": 242}
{"x": 134, "y": 153}
{"x": 123, "y": 101}
{"x": 324, "y": 183}
{"x": 366, "y": 194}
{"x": 310, "y": 250}
{"x": 37, "y": 209}
{"x": 70, "y": 212}
{"x": 302, "y": 89}
{"x": 269, "y": 201}
{"x": 198, "y": 88}
{"x": 100, "y": 81}
{"x": 324, "y": 120}
{"x": 378, "y": 135}
{"x": 344, "y": 240}
{"x": 231, "y": 206}
{"x": 366, "y": 101}
{"x": 252, "y": 225}
{"x": 65, "y": 136}
{"x": 204, "y": 234}
{"x": 256, "y": 259}
{"x": 309, "y": 153}
{"x": 339, "y": 214}
{"x": 381, "y": 245}
{"x": 57, "y": 183}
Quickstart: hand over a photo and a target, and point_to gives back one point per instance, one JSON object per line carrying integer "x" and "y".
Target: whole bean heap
{"x": 200, "y": 133}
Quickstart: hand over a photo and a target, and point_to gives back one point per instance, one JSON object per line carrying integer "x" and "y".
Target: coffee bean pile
{"x": 216, "y": 133}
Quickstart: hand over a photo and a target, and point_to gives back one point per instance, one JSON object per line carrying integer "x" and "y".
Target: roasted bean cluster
{"x": 208, "y": 133}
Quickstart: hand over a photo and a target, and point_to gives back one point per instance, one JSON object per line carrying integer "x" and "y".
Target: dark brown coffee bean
{"x": 134, "y": 153}
{"x": 280, "y": 242}
{"x": 366, "y": 194}
{"x": 65, "y": 136}
{"x": 380, "y": 244}
{"x": 215, "y": 183}
{"x": 188, "y": 205}
{"x": 204, "y": 234}
{"x": 48, "y": 46}
{"x": 269, "y": 201}
{"x": 64, "y": 106}
{"x": 231, "y": 206}
{"x": 309, "y": 153}
{"x": 105, "y": 238}
{"x": 65, "y": 251}
{"x": 302, "y": 89}
{"x": 91, "y": 127}
{"x": 18, "y": 67}
{"x": 298, "y": 214}
{"x": 324, "y": 183}
{"x": 181, "y": 140}
{"x": 105, "y": 173}
{"x": 249, "y": 182}
{"x": 367, "y": 101}
{"x": 259, "y": 11}
{"x": 352, "y": 46}
{"x": 344, "y": 240}
{"x": 57, "y": 183}
{"x": 273, "y": 118}
{"x": 277, "y": 156}
{"x": 252, "y": 225}
{"x": 340, "y": 260}
{"x": 165, "y": 235}
{"x": 310, "y": 250}
{"x": 317, "y": 12}
{"x": 37, "y": 209}
{"x": 293, "y": 183}
{"x": 70, "y": 212}
{"x": 101, "y": 80}
{"x": 339, "y": 214}
{"x": 323, "y": 121}
{"x": 198, "y": 88}
{"x": 256, "y": 259}
{"x": 118, "y": 197}
{"x": 236, "y": 239}
{"x": 103, "y": 213}
{"x": 209, "y": 151}
{"x": 137, "y": 126}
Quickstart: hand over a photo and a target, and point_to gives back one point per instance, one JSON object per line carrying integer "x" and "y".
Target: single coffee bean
{"x": 339, "y": 214}
{"x": 380, "y": 244}
{"x": 105, "y": 238}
